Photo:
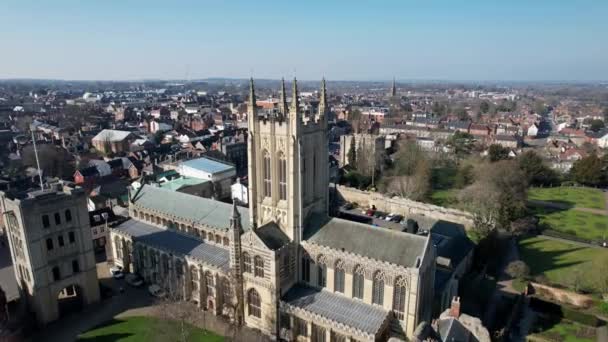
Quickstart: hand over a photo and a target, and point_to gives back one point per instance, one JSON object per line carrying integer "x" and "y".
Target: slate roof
{"x": 201, "y": 210}
{"x": 175, "y": 242}
{"x": 338, "y": 308}
{"x": 451, "y": 330}
{"x": 272, "y": 236}
{"x": 378, "y": 243}
{"x": 207, "y": 165}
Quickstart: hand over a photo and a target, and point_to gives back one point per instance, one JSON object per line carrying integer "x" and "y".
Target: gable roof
{"x": 200, "y": 210}
{"x": 112, "y": 135}
{"x": 377, "y": 243}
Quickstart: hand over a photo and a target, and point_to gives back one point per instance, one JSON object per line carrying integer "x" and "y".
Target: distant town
{"x": 254, "y": 210}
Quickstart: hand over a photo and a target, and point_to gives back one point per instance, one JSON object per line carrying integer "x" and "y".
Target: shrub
{"x": 518, "y": 269}
{"x": 603, "y": 307}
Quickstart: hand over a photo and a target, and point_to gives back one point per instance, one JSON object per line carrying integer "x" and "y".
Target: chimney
{"x": 455, "y": 308}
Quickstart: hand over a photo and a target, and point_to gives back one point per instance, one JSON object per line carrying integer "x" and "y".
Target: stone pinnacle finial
{"x": 295, "y": 102}
{"x": 283, "y": 101}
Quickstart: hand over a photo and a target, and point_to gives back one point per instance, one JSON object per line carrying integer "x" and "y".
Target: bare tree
{"x": 177, "y": 319}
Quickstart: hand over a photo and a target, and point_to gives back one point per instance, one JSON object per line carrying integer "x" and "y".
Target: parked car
{"x": 396, "y": 218}
{"x": 117, "y": 272}
{"x": 134, "y": 280}
{"x": 157, "y": 291}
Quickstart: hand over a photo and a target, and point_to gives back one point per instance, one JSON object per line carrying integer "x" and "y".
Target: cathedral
{"x": 282, "y": 265}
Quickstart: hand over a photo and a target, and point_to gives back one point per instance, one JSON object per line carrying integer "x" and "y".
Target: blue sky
{"x": 345, "y": 40}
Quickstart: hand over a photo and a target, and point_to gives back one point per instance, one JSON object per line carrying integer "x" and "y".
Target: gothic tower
{"x": 236, "y": 230}
{"x": 288, "y": 169}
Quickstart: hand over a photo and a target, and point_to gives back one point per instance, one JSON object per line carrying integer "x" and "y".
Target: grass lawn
{"x": 562, "y": 262}
{"x": 564, "y": 330}
{"x": 136, "y": 329}
{"x": 575, "y": 196}
{"x": 574, "y": 222}
{"x": 444, "y": 198}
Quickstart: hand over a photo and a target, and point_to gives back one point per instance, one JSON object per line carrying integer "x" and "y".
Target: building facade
{"x": 282, "y": 266}
{"x": 52, "y": 250}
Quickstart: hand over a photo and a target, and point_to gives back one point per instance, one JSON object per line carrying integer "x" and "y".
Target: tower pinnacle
{"x": 295, "y": 102}
{"x": 283, "y": 101}
{"x": 323, "y": 99}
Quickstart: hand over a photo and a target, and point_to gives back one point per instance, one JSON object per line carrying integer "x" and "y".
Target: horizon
{"x": 473, "y": 41}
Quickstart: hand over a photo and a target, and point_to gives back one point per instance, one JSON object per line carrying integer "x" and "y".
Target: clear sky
{"x": 345, "y": 40}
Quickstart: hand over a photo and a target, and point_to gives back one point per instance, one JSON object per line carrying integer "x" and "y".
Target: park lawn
{"x": 582, "y": 224}
{"x": 579, "y": 197}
{"x": 143, "y": 329}
{"x": 566, "y": 331}
{"x": 562, "y": 262}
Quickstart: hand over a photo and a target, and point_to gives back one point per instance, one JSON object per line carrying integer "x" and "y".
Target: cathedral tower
{"x": 288, "y": 169}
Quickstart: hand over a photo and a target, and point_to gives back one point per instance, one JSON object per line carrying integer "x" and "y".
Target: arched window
{"x": 378, "y": 288}
{"x": 141, "y": 215}
{"x": 218, "y": 238}
{"x": 321, "y": 272}
{"x": 193, "y": 278}
{"x": 399, "y": 297}
{"x": 305, "y": 269}
{"x": 57, "y": 219}
{"x": 68, "y": 215}
{"x": 226, "y": 291}
{"x": 282, "y": 177}
{"x": 203, "y": 235}
{"x": 118, "y": 247}
{"x": 210, "y": 283}
{"x": 226, "y": 241}
{"x": 246, "y": 262}
{"x": 254, "y": 307}
{"x": 147, "y": 217}
{"x": 339, "y": 276}
{"x": 266, "y": 173}
{"x": 258, "y": 263}
{"x": 358, "y": 282}
{"x": 56, "y": 273}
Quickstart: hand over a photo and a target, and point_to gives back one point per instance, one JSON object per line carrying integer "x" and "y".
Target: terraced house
{"x": 283, "y": 265}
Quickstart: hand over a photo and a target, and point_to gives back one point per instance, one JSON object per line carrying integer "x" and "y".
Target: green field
{"x": 565, "y": 331}
{"x": 574, "y": 222}
{"x": 143, "y": 329}
{"x": 444, "y": 198}
{"x": 562, "y": 263}
{"x": 574, "y": 196}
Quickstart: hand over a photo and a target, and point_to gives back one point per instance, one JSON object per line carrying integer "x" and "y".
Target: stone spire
{"x": 252, "y": 102}
{"x": 394, "y": 89}
{"x": 323, "y": 99}
{"x": 283, "y": 101}
{"x": 252, "y": 111}
{"x": 295, "y": 102}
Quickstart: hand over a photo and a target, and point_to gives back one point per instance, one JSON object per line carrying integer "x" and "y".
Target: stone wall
{"x": 562, "y": 296}
{"x": 403, "y": 206}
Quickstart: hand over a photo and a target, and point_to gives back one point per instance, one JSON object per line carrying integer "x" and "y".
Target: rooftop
{"x": 175, "y": 242}
{"x": 398, "y": 248}
{"x": 337, "y": 308}
{"x": 112, "y": 135}
{"x": 201, "y": 210}
{"x": 207, "y": 165}
{"x": 178, "y": 183}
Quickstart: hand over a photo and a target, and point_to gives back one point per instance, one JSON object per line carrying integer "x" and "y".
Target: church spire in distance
{"x": 295, "y": 102}
{"x": 394, "y": 88}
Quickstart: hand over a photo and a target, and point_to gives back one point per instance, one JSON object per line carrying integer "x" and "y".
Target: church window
{"x": 339, "y": 277}
{"x": 306, "y": 269}
{"x": 358, "y": 282}
{"x": 193, "y": 278}
{"x": 259, "y": 266}
{"x": 218, "y": 238}
{"x": 378, "y": 288}
{"x": 336, "y": 337}
{"x": 246, "y": 262}
{"x": 321, "y": 272}
{"x": 282, "y": 177}
{"x": 226, "y": 291}
{"x": 301, "y": 327}
{"x": 254, "y": 307}
{"x": 266, "y": 173}
{"x": 226, "y": 241}
{"x": 399, "y": 297}
{"x": 318, "y": 333}
{"x": 210, "y": 283}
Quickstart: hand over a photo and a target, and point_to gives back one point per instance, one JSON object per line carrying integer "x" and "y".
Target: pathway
{"x": 567, "y": 206}
{"x": 572, "y": 242}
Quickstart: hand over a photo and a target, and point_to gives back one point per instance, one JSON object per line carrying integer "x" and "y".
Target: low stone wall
{"x": 562, "y": 296}
{"x": 404, "y": 206}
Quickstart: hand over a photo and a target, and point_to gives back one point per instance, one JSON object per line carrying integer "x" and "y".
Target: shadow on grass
{"x": 541, "y": 261}
{"x": 105, "y": 338}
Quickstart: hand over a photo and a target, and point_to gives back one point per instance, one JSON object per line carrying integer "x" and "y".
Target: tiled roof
{"x": 398, "y": 248}
{"x": 175, "y": 242}
{"x": 338, "y": 308}
{"x": 201, "y": 210}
